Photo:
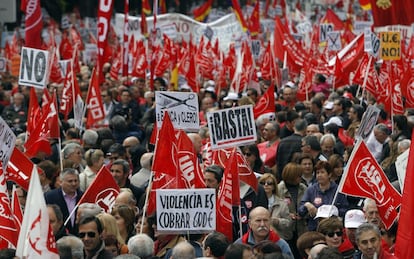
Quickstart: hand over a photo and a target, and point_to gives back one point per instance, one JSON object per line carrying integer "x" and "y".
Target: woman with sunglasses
{"x": 332, "y": 229}
{"x": 279, "y": 211}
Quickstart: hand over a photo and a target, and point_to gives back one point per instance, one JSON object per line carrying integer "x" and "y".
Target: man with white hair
{"x": 141, "y": 245}
{"x": 73, "y": 243}
{"x": 141, "y": 178}
{"x": 183, "y": 250}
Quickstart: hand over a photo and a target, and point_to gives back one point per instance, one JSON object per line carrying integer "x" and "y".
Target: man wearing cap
{"x": 340, "y": 110}
{"x": 353, "y": 219}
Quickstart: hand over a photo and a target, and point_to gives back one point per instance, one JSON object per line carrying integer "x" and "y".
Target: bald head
{"x": 197, "y": 141}
{"x": 146, "y": 160}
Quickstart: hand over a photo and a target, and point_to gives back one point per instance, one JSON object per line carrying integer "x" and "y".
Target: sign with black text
{"x": 368, "y": 122}
{"x": 7, "y": 141}
{"x": 3, "y": 65}
{"x": 390, "y": 45}
{"x": 232, "y": 127}
{"x": 186, "y": 210}
{"x": 34, "y": 67}
{"x": 182, "y": 108}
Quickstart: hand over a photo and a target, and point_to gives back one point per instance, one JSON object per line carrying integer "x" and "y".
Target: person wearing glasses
{"x": 280, "y": 217}
{"x": 332, "y": 229}
{"x": 90, "y": 231}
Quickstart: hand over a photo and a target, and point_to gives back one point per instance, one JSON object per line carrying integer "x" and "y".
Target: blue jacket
{"x": 317, "y": 197}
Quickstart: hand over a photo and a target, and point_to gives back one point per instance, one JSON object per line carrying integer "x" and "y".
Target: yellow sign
{"x": 390, "y": 45}
{"x": 15, "y": 65}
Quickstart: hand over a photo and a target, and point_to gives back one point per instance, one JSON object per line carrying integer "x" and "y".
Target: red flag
{"x": 187, "y": 161}
{"x": 143, "y": 24}
{"x": 205, "y": 59}
{"x": 19, "y": 169}
{"x": 102, "y": 191}
{"x": 228, "y": 196}
{"x": 33, "y": 114}
{"x": 125, "y": 49}
{"x": 363, "y": 177}
{"x": 33, "y": 23}
{"x": 16, "y": 209}
{"x": 392, "y": 12}
{"x": 332, "y": 18}
{"x": 350, "y": 55}
{"x": 94, "y": 102}
{"x": 405, "y": 234}
{"x": 104, "y": 22}
{"x": 66, "y": 102}
{"x": 36, "y": 238}
{"x": 53, "y": 118}
{"x": 254, "y": 24}
{"x": 55, "y": 70}
{"x": 239, "y": 14}
{"x": 201, "y": 13}
{"x": 8, "y": 229}
{"x": 407, "y": 87}
{"x": 146, "y": 7}
{"x": 266, "y": 103}
{"x": 246, "y": 174}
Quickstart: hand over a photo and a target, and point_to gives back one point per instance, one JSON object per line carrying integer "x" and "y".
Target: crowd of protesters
{"x": 298, "y": 158}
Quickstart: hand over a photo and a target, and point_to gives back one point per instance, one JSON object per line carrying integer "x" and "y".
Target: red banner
{"x": 392, "y": 12}
{"x": 104, "y": 22}
{"x": 363, "y": 177}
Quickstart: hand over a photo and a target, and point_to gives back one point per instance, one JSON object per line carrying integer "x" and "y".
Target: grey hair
{"x": 367, "y": 227}
{"x": 89, "y": 210}
{"x": 67, "y": 171}
{"x": 141, "y": 245}
{"x": 326, "y": 136}
{"x": 70, "y": 148}
{"x": 404, "y": 145}
{"x": 368, "y": 202}
{"x": 183, "y": 250}
{"x": 74, "y": 243}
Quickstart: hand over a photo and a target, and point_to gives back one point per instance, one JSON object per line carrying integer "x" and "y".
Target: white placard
{"x": 401, "y": 168}
{"x": 34, "y": 67}
{"x": 7, "y": 141}
{"x": 90, "y": 54}
{"x": 186, "y": 210}
{"x": 232, "y": 127}
{"x": 3, "y": 65}
{"x": 182, "y": 108}
{"x": 334, "y": 40}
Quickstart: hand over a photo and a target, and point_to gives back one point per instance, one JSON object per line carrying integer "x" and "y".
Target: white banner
{"x": 7, "y": 141}
{"x": 3, "y": 65}
{"x": 232, "y": 127}
{"x": 368, "y": 122}
{"x": 186, "y": 210}
{"x": 178, "y": 26}
{"x": 34, "y": 67}
{"x": 182, "y": 108}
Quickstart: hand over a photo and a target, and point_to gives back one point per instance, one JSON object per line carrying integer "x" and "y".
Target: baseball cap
{"x": 328, "y": 105}
{"x": 334, "y": 120}
{"x": 326, "y": 211}
{"x": 354, "y": 218}
{"x": 231, "y": 96}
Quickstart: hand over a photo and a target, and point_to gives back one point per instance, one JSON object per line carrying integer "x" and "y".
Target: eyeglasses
{"x": 267, "y": 183}
{"x": 89, "y": 234}
{"x": 247, "y": 154}
{"x": 332, "y": 234}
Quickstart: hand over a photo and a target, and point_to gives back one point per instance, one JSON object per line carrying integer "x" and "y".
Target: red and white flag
{"x": 405, "y": 235}
{"x": 104, "y": 23}
{"x": 94, "y": 102}
{"x": 102, "y": 191}
{"x": 229, "y": 195}
{"x": 16, "y": 209}
{"x": 363, "y": 177}
{"x": 36, "y": 238}
{"x": 19, "y": 169}
{"x": 266, "y": 103}
{"x": 33, "y": 23}
{"x": 8, "y": 229}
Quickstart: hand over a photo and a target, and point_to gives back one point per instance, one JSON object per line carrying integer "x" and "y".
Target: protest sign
{"x": 186, "y": 210}
{"x": 7, "y": 140}
{"x": 182, "y": 108}
{"x": 390, "y": 45}
{"x": 334, "y": 40}
{"x": 369, "y": 119}
{"x": 3, "y": 65}
{"x": 34, "y": 67}
{"x": 232, "y": 127}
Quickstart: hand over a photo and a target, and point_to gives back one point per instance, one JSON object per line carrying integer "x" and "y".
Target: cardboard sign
{"x": 368, "y": 121}
{"x": 371, "y": 42}
{"x": 401, "y": 167}
{"x": 186, "y": 210}
{"x": 334, "y": 40}
{"x": 3, "y": 65}
{"x": 232, "y": 127}
{"x": 34, "y": 67}
{"x": 7, "y": 141}
{"x": 390, "y": 45}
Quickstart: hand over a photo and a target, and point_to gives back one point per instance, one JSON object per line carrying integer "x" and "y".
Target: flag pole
{"x": 144, "y": 210}
{"x": 71, "y": 214}
{"x": 365, "y": 79}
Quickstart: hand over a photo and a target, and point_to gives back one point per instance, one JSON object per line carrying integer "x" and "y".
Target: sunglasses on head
{"x": 89, "y": 234}
{"x": 332, "y": 234}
